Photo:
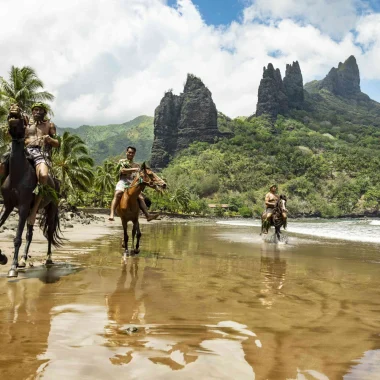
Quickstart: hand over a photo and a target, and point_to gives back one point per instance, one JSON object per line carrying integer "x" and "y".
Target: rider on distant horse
{"x": 271, "y": 199}
{"x": 127, "y": 171}
{"x": 40, "y": 137}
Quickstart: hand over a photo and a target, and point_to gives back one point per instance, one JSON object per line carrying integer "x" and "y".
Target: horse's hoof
{"x": 22, "y": 263}
{"x": 126, "y": 253}
{"x": 12, "y": 273}
{"x": 3, "y": 259}
{"x": 136, "y": 251}
{"x": 49, "y": 262}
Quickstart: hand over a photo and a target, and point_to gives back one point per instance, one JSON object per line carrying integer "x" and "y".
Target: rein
{"x": 138, "y": 181}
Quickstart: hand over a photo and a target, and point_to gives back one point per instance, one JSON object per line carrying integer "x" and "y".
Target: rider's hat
{"x": 41, "y": 105}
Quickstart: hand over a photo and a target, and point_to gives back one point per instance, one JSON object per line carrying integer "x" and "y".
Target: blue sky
{"x": 218, "y": 12}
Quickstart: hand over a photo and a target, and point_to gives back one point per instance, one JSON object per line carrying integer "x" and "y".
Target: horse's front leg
{"x": 5, "y": 211}
{"x": 23, "y": 214}
{"x": 29, "y": 237}
{"x": 125, "y": 226}
{"x": 278, "y": 232}
{"x": 136, "y": 231}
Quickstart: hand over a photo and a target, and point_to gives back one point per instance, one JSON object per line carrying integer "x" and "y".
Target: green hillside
{"x": 106, "y": 141}
{"x": 323, "y": 105}
{"x": 325, "y": 159}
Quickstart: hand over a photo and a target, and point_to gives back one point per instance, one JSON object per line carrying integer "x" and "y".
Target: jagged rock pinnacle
{"x": 272, "y": 99}
{"x": 344, "y": 80}
{"x": 293, "y": 84}
{"x": 181, "y": 120}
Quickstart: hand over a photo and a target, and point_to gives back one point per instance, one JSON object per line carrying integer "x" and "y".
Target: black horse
{"x": 278, "y": 219}
{"x": 18, "y": 191}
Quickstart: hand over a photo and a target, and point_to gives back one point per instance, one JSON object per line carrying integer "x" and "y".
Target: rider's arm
{"x": 129, "y": 170}
{"x": 50, "y": 139}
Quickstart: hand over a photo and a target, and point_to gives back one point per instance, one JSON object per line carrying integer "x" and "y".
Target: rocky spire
{"x": 181, "y": 120}
{"x": 166, "y": 118}
{"x": 344, "y": 80}
{"x": 272, "y": 99}
{"x": 293, "y": 84}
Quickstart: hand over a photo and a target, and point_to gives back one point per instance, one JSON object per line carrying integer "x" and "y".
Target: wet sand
{"x": 201, "y": 301}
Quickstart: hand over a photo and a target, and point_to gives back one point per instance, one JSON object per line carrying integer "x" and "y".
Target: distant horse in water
{"x": 129, "y": 209}
{"x": 17, "y": 191}
{"x": 278, "y": 219}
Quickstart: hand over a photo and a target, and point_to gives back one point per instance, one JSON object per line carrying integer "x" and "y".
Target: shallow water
{"x": 207, "y": 300}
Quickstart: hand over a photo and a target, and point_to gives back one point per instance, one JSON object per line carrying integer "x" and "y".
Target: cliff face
{"x": 344, "y": 80}
{"x": 181, "y": 120}
{"x": 277, "y": 96}
{"x": 166, "y": 118}
{"x": 271, "y": 97}
{"x": 293, "y": 84}
{"x": 198, "y": 115}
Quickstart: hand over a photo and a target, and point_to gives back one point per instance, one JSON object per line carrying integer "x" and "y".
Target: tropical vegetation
{"x": 325, "y": 169}
{"x": 24, "y": 88}
{"x": 72, "y": 165}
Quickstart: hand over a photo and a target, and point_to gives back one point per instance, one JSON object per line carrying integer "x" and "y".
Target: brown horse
{"x": 129, "y": 209}
{"x": 18, "y": 191}
{"x": 278, "y": 219}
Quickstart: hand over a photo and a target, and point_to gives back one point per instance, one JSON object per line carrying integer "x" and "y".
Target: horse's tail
{"x": 49, "y": 223}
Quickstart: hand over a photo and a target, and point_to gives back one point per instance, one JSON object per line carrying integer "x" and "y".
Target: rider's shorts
{"x": 121, "y": 185}
{"x": 269, "y": 210}
{"x": 37, "y": 156}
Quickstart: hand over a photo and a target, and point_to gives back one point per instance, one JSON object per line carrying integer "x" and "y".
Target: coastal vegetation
{"x": 325, "y": 169}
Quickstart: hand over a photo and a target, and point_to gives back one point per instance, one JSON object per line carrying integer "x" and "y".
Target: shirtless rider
{"x": 40, "y": 137}
{"x": 271, "y": 199}
{"x": 127, "y": 172}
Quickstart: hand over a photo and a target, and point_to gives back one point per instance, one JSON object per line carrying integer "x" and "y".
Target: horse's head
{"x": 281, "y": 203}
{"x": 151, "y": 179}
{"x": 16, "y": 122}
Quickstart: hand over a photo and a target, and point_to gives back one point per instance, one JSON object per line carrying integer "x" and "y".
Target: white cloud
{"x": 335, "y": 17}
{"x": 368, "y": 35}
{"x": 108, "y": 62}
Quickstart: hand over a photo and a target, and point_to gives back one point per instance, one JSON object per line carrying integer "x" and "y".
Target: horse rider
{"x": 271, "y": 199}
{"x": 40, "y": 137}
{"x": 127, "y": 172}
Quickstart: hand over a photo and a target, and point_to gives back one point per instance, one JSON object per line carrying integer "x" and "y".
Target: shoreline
{"x": 72, "y": 233}
{"x": 80, "y": 230}
{"x": 170, "y": 216}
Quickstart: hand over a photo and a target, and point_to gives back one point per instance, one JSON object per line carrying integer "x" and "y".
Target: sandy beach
{"x": 75, "y": 227}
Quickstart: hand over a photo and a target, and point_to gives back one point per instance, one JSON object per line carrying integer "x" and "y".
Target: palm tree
{"x": 105, "y": 179}
{"x": 24, "y": 88}
{"x": 73, "y": 165}
{"x": 181, "y": 198}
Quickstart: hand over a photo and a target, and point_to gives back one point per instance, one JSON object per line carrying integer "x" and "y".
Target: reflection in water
{"x": 171, "y": 347}
{"x": 198, "y": 305}
{"x": 25, "y": 306}
{"x": 273, "y": 270}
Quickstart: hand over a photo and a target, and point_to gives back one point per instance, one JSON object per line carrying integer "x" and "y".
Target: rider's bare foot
{"x": 152, "y": 217}
{"x": 111, "y": 218}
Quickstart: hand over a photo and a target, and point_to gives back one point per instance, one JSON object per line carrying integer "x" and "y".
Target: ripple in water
{"x": 360, "y": 230}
